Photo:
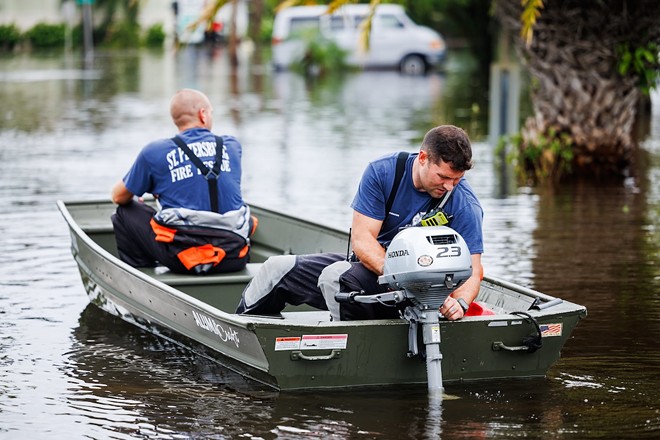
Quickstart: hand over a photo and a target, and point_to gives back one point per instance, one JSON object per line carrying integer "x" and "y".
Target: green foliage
{"x": 321, "y": 57}
{"x": 155, "y": 36}
{"x": 641, "y": 61}
{"x": 545, "y": 159}
{"x": 46, "y": 36}
{"x": 123, "y": 35}
{"x": 10, "y": 35}
{"x": 266, "y": 30}
{"x": 531, "y": 12}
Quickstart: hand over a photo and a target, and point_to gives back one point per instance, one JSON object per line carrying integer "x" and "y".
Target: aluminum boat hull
{"x": 302, "y": 348}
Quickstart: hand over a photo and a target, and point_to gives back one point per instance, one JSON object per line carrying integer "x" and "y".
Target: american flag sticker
{"x": 548, "y": 330}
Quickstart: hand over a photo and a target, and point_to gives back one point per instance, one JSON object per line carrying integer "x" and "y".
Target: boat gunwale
{"x": 253, "y": 321}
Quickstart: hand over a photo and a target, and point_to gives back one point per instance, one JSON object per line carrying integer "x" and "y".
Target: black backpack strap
{"x": 211, "y": 175}
{"x": 398, "y": 175}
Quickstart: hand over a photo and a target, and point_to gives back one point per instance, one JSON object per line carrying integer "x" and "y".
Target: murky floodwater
{"x": 68, "y": 370}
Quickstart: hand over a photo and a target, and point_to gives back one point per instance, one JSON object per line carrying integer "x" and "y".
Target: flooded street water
{"x": 68, "y": 370}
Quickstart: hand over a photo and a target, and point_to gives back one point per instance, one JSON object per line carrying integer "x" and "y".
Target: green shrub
{"x": 321, "y": 57}
{"x": 77, "y": 35}
{"x": 546, "y": 159}
{"x": 644, "y": 62}
{"x": 155, "y": 36}
{"x": 45, "y": 35}
{"x": 9, "y": 36}
{"x": 266, "y": 31}
{"x": 123, "y": 35}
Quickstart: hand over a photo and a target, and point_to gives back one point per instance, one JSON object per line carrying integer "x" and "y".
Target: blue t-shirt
{"x": 410, "y": 204}
{"x": 163, "y": 169}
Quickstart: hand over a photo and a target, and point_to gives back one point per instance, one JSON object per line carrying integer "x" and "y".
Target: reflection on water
{"x": 70, "y": 371}
{"x": 128, "y": 381}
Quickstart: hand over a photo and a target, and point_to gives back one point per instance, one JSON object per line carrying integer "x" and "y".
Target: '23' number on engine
{"x": 449, "y": 251}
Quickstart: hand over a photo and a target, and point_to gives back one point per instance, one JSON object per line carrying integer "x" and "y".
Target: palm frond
{"x": 336, "y": 4}
{"x": 531, "y": 12}
{"x": 287, "y": 4}
{"x": 365, "y": 26}
{"x": 208, "y": 14}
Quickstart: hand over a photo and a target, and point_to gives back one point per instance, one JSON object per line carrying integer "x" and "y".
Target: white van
{"x": 395, "y": 42}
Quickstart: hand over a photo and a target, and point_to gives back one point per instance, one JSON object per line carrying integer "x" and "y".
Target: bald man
{"x": 187, "y": 194}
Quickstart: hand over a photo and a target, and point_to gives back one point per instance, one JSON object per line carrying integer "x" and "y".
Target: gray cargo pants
{"x": 314, "y": 280}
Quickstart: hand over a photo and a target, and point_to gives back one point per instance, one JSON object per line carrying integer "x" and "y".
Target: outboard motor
{"x": 428, "y": 263}
{"x": 423, "y": 265}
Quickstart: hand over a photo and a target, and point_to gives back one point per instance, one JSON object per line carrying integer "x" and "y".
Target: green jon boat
{"x": 303, "y": 348}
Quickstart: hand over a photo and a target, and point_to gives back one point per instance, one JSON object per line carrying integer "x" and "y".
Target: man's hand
{"x": 451, "y": 309}
{"x": 469, "y": 290}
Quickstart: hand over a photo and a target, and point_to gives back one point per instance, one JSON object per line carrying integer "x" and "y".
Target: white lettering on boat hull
{"x": 207, "y": 323}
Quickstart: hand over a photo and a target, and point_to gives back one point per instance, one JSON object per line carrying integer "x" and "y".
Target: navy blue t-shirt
{"x": 163, "y": 169}
{"x": 410, "y": 204}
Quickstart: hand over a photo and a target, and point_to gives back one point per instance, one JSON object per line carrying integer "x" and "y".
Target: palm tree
{"x": 591, "y": 62}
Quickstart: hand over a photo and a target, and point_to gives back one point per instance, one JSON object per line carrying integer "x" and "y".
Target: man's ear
{"x": 423, "y": 157}
{"x": 201, "y": 114}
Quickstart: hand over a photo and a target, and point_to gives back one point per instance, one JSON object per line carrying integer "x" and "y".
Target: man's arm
{"x": 364, "y": 234}
{"x": 120, "y": 194}
{"x": 469, "y": 290}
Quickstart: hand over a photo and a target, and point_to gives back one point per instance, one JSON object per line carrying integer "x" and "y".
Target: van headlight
{"x": 437, "y": 44}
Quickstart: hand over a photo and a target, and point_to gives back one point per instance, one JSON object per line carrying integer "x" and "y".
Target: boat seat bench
{"x": 175, "y": 279}
{"x": 234, "y": 282}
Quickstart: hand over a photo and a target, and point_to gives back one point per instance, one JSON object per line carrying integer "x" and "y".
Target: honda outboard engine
{"x": 423, "y": 265}
{"x": 428, "y": 263}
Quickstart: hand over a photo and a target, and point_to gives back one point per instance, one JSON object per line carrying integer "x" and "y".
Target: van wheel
{"x": 413, "y": 65}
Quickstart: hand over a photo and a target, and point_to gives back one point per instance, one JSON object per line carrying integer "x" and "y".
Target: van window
{"x": 303, "y": 24}
{"x": 384, "y": 21}
{"x": 389, "y": 22}
{"x": 336, "y": 23}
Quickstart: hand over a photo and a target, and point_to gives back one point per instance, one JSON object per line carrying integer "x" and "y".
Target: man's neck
{"x": 415, "y": 174}
{"x": 189, "y": 127}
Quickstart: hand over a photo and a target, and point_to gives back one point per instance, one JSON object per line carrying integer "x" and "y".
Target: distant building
{"x": 26, "y": 13}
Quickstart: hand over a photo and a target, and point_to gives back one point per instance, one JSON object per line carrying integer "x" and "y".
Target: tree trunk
{"x": 578, "y": 93}
{"x": 256, "y": 14}
{"x": 232, "y": 46}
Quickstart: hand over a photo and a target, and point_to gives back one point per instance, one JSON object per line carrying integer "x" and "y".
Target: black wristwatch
{"x": 461, "y": 302}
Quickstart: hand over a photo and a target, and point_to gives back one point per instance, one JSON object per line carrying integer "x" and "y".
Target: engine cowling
{"x": 428, "y": 263}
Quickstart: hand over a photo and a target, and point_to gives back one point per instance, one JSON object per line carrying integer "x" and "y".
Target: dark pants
{"x": 360, "y": 279}
{"x": 286, "y": 279}
{"x": 137, "y": 245}
{"x": 289, "y": 279}
{"x": 136, "y": 241}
